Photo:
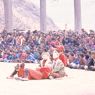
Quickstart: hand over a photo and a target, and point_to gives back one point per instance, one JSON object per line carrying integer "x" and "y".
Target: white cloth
{"x": 57, "y": 65}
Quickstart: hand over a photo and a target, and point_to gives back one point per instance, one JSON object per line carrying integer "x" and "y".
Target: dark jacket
{"x": 91, "y": 62}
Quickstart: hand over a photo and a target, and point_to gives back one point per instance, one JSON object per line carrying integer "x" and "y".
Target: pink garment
{"x": 48, "y": 37}
{"x": 4, "y": 56}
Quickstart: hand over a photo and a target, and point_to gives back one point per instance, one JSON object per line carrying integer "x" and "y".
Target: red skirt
{"x": 45, "y": 71}
{"x": 34, "y": 74}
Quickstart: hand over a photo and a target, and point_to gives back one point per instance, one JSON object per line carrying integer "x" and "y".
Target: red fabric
{"x": 56, "y": 42}
{"x": 63, "y": 58}
{"x": 35, "y": 74}
{"x": 21, "y": 72}
{"x": 60, "y": 48}
{"x": 45, "y": 72}
{"x": 47, "y": 69}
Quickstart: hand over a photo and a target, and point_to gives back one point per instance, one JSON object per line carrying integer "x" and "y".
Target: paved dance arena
{"x": 78, "y": 82}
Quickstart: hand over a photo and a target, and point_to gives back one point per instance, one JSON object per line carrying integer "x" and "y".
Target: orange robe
{"x": 21, "y": 72}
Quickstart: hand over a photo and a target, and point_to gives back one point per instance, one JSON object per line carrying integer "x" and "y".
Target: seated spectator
{"x": 73, "y": 61}
{"x": 36, "y": 55}
{"x": 17, "y": 56}
{"x": 82, "y": 61}
{"x": 5, "y": 55}
{"x": 26, "y": 48}
{"x": 23, "y": 56}
{"x": 91, "y": 63}
{"x": 1, "y": 54}
{"x": 10, "y": 56}
{"x": 30, "y": 58}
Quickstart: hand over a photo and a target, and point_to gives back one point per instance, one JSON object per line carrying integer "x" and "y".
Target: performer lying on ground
{"x": 46, "y": 70}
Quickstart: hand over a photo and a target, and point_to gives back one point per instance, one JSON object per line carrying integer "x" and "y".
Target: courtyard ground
{"x": 78, "y": 82}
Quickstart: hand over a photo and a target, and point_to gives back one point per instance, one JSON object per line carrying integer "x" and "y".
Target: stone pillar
{"x": 43, "y": 16}
{"x": 77, "y": 13}
{"x": 8, "y": 15}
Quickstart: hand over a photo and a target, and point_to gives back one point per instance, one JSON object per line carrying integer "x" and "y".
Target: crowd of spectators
{"x": 28, "y": 46}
